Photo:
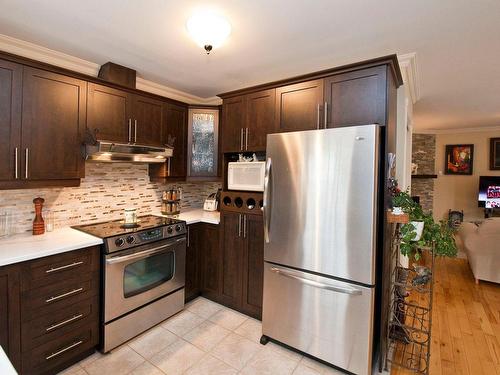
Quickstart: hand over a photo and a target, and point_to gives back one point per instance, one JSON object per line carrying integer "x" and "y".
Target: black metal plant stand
{"x": 410, "y": 314}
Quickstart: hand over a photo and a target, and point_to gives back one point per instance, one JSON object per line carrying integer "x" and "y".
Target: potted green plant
{"x": 439, "y": 234}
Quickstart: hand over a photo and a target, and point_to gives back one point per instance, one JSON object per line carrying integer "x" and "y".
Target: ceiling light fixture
{"x": 208, "y": 29}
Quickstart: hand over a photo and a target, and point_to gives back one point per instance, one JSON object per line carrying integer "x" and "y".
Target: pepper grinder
{"x": 38, "y": 223}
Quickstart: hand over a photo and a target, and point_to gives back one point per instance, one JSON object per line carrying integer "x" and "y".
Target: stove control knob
{"x": 178, "y": 228}
{"x": 119, "y": 242}
{"x": 130, "y": 239}
{"x": 169, "y": 230}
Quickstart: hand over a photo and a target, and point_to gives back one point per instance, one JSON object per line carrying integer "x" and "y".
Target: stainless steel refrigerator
{"x": 320, "y": 229}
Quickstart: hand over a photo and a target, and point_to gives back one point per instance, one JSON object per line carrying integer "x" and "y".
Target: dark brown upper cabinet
{"x": 53, "y": 121}
{"x": 247, "y": 119}
{"x": 299, "y": 106}
{"x": 174, "y": 133}
{"x": 109, "y": 115}
{"x": 10, "y": 120}
{"x": 149, "y": 119}
{"x": 176, "y": 136}
{"x": 260, "y": 108}
{"x": 356, "y": 98}
{"x": 233, "y": 123}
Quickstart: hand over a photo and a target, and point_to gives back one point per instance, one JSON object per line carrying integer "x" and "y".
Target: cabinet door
{"x": 149, "y": 117}
{"x": 356, "y": 98}
{"x": 10, "y": 119}
{"x": 210, "y": 256}
{"x": 176, "y": 135}
{"x": 298, "y": 106}
{"x": 53, "y": 120}
{"x": 109, "y": 113}
{"x": 260, "y": 118}
{"x": 192, "y": 262}
{"x": 232, "y": 258}
{"x": 233, "y": 123}
{"x": 253, "y": 266}
{"x": 10, "y": 312}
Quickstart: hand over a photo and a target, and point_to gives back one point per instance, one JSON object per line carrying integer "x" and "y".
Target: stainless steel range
{"x": 143, "y": 275}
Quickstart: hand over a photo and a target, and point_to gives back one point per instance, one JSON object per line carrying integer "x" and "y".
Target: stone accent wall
{"x": 106, "y": 190}
{"x": 424, "y": 154}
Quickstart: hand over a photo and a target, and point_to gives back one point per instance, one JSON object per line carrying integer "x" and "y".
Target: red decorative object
{"x": 38, "y": 223}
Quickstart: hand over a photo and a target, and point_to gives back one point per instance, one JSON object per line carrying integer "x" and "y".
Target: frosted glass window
{"x": 203, "y": 131}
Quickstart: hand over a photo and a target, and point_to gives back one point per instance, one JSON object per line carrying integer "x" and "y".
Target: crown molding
{"x": 459, "y": 130}
{"x": 409, "y": 71}
{"x": 63, "y": 60}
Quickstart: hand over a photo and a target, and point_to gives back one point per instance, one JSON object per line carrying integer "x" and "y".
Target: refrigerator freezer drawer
{"x": 328, "y": 319}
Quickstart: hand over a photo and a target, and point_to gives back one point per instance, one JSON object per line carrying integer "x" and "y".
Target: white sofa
{"x": 482, "y": 246}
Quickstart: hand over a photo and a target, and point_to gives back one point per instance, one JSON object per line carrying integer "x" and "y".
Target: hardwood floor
{"x": 465, "y": 323}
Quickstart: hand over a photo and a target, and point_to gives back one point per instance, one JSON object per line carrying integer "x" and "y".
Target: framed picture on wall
{"x": 495, "y": 153}
{"x": 459, "y": 159}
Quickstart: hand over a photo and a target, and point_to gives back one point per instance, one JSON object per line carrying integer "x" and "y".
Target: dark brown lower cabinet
{"x": 209, "y": 253}
{"x": 242, "y": 263}
{"x": 49, "y": 310}
{"x": 10, "y": 314}
{"x": 202, "y": 262}
{"x": 192, "y": 281}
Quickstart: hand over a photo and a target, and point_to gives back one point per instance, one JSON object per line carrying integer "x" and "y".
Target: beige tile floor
{"x": 204, "y": 339}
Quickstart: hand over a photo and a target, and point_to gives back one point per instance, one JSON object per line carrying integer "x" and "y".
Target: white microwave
{"x": 248, "y": 176}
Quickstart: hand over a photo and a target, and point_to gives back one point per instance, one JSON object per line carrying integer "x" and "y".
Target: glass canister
{"x": 5, "y": 224}
{"x": 49, "y": 221}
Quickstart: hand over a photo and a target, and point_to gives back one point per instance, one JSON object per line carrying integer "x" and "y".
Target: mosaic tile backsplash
{"x": 103, "y": 194}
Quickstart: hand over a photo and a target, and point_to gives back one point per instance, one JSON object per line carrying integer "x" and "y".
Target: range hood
{"x": 111, "y": 152}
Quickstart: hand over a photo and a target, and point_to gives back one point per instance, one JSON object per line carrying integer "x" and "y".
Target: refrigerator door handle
{"x": 316, "y": 284}
{"x": 266, "y": 212}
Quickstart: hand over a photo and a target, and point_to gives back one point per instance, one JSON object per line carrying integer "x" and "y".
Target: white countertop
{"x": 6, "y": 367}
{"x": 197, "y": 215}
{"x": 25, "y": 246}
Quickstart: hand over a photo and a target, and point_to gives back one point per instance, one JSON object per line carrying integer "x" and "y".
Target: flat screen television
{"x": 489, "y": 192}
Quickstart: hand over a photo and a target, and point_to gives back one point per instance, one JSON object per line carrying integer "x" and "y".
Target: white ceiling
{"x": 457, "y": 43}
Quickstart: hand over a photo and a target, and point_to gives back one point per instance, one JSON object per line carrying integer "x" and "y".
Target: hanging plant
{"x": 439, "y": 234}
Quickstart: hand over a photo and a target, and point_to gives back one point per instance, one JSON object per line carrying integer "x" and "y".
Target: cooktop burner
{"x": 117, "y": 227}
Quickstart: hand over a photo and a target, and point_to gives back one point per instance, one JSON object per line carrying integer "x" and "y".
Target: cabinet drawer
{"x": 61, "y": 352}
{"x": 52, "y": 298}
{"x": 50, "y": 326}
{"x": 53, "y": 269}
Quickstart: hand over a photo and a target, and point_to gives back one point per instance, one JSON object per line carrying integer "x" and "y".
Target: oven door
{"x": 135, "y": 277}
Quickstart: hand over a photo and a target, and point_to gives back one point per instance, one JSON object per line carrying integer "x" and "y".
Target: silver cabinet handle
{"x": 244, "y": 226}
{"x": 239, "y": 226}
{"x": 317, "y": 284}
{"x": 241, "y": 139}
{"x": 266, "y": 207}
{"x": 70, "y": 293}
{"x": 246, "y": 139}
{"x": 317, "y": 116}
{"x": 16, "y": 166}
{"x": 59, "y": 352}
{"x": 168, "y": 167}
{"x": 64, "y": 322}
{"x": 326, "y": 115}
{"x": 135, "y": 131}
{"x": 129, "y": 130}
{"x": 188, "y": 236}
{"x": 26, "y": 162}
{"x": 54, "y": 269}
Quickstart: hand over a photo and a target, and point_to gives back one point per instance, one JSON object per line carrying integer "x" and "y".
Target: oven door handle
{"x": 142, "y": 254}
